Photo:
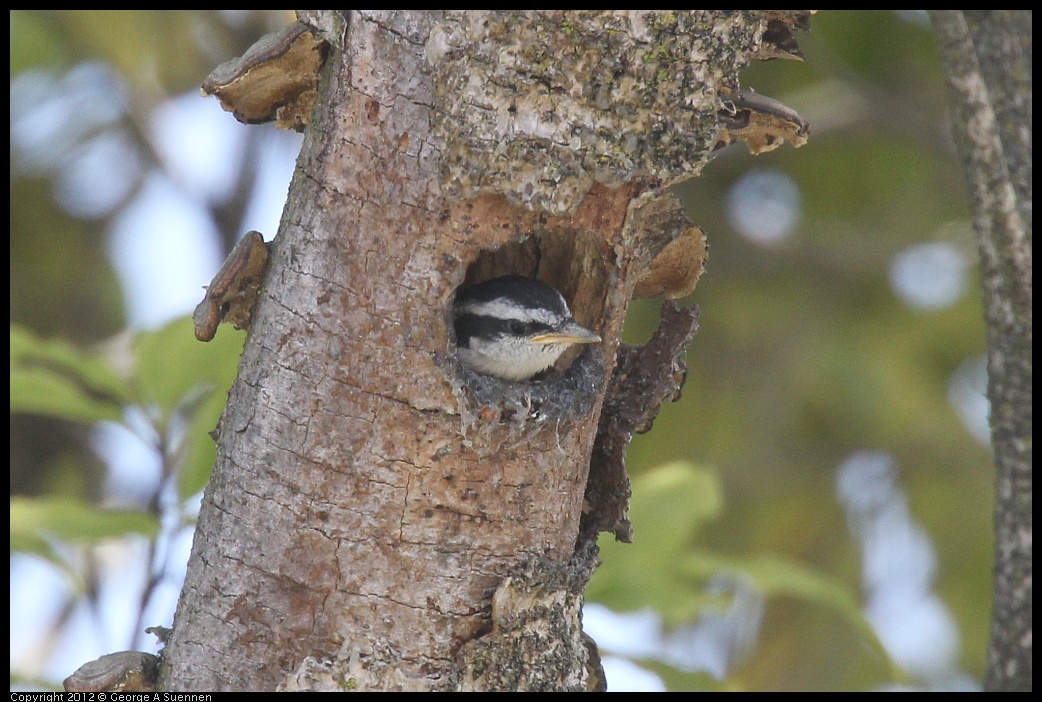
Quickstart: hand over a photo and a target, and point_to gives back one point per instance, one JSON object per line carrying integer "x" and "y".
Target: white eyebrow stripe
{"x": 501, "y": 309}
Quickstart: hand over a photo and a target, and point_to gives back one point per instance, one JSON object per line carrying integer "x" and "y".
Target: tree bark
{"x": 379, "y": 517}
{"x": 987, "y": 59}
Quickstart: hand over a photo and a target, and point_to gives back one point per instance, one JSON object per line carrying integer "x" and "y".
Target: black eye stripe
{"x": 469, "y": 326}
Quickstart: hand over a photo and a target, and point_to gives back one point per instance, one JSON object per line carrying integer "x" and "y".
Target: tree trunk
{"x": 987, "y": 60}
{"x": 378, "y": 517}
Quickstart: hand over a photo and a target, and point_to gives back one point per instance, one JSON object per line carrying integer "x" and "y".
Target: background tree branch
{"x": 986, "y": 55}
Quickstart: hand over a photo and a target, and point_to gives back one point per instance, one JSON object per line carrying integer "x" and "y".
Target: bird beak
{"x": 572, "y": 333}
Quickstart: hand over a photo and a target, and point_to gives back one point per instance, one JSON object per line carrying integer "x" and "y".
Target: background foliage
{"x": 822, "y": 485}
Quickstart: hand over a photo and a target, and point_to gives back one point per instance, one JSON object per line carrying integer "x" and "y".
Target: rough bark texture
{"x": 379, "y": 518}
{"x": 987, "y": 59}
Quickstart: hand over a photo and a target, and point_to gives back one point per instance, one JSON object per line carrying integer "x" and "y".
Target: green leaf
{"x": 39, "y": 391}
{"x": 779, "y": 577}
{"x": 56, "y": 379}
{"x": 199, "y": 452}
{"x": 661, "y": 569}
{"x": 672, "y": 501}
{"x": 669, "y": 505}
{"x": 170, "y": 364}
{"x": 178, "y": 375}
{"x": 35, "y": 519}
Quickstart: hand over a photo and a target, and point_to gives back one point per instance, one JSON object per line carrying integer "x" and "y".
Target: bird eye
{"x": 517, "y": 327}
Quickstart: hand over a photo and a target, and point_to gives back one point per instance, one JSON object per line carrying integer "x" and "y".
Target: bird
{"x": 514, "y": 327}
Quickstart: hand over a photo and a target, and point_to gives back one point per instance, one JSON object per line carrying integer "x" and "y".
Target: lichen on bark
{"x": 539, "y": 105}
